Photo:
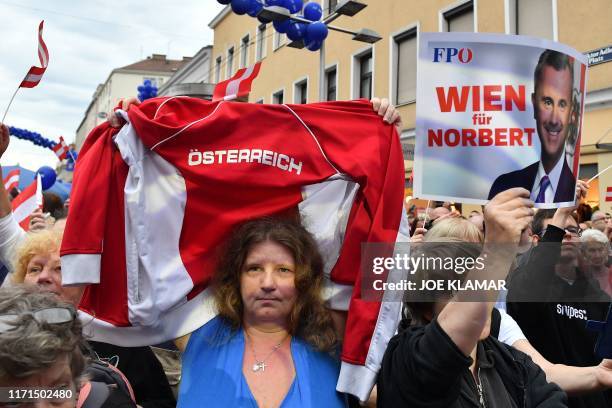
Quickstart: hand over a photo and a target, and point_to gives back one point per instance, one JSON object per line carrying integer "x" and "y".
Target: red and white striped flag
{"x": 35, "y": 74}
{"x": 237, "y": 86}
{"x": 609, "y": 194}
{"x": 61, "y": 149}
{"x": 26, "y": 202}
{"x": 12, "y": 180}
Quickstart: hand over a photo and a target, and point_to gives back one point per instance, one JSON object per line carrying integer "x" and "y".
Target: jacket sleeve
{"x": 422, "y": 367}
{"x": 540, "y": 392}
{"x": 83, "y": 240}
{"x": 11, "y": 235}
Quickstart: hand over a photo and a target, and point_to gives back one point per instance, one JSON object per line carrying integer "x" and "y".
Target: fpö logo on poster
{"x": 449, "y": 55}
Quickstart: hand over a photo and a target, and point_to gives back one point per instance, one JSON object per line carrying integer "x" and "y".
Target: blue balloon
{"x": 256, "y": 6}
{"x": 263, "y": 20}
{"x": 154, "y": 91}
{"x": 147, "y": 82}
{"x": 241, "y": 7}
{"x": 274, "y": 3}
{"x": 224, "y": 1}
{"x": 140, "y": 88}
{"x": 47, "y": 177}
{"x": 296, "y": 31}
{"x": 314, "y": 45}
{"x": 294, "y": 6}
{"x": 316, "y": 32}
{"x": 282, "y": 26}
{"x": 313, "y": 11}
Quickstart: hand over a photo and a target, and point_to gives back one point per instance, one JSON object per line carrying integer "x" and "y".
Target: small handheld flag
{"x": 35, "y": 74}
{"x": 26, "y": 202}
{"x": 237, "y": 86}
{"x": 12, "y": 179}
{"x": 61, "y": 149}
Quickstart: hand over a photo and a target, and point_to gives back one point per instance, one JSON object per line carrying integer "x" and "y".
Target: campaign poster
{"x": 494, "y": 112}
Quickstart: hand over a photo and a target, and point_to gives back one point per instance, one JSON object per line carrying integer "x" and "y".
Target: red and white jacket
{"x": 151, "y": 204}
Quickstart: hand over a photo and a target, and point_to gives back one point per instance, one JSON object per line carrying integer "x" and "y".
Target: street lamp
{"x": 349, "y": 7}
{"x": 345, "y": 8}
{"x": 274, "y": 13}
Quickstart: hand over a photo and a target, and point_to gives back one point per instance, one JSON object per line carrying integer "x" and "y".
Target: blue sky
{"x": 86, "y": 40}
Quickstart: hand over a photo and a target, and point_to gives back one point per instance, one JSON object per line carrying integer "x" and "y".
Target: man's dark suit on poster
{"x": 526, "y": 178}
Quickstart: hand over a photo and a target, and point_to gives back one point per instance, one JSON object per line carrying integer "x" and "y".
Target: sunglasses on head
{"x": 577, "y": 232}
{"x": 52, "y": 315}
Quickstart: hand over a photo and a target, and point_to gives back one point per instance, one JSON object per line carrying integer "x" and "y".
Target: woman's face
{"x": 267, "y": 284}
{"x": 45, "y": 271}
{"x": 595, "y": 253}
{"x": 58, "y": 375}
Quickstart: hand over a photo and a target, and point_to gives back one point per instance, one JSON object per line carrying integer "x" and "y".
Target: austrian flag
{"x": 26, "y": 202}
{"x": 237, "y": 86}
{"x": 35, "y": 74}
{"x": 61, "y": 149}
{"x": 12, "y": 180}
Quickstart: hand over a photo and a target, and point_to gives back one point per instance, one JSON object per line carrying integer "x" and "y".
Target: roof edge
{"x": 222, "y": 14}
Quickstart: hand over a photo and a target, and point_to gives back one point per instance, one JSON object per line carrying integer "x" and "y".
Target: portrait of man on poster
{"x": 555, "y": 109}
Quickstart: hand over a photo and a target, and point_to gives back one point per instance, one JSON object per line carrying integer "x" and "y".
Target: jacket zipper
{"x": 480, "y": 392}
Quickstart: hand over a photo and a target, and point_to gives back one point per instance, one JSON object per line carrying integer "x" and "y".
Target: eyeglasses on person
{"x": 573, "y": 231}
{"x": 51, "y": 315}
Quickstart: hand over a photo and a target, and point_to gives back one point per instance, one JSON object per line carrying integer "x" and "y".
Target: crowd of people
{"x": 275, "y": 342}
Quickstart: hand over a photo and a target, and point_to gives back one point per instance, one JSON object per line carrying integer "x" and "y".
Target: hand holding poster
{"x": 496, "y": 112}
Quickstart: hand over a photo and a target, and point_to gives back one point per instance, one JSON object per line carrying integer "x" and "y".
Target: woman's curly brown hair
{"x": 309, "y": 320}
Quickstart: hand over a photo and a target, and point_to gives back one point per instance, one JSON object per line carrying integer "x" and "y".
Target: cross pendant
{"x": 259, "y": 366}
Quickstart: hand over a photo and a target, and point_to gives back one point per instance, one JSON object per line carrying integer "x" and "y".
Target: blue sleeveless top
{"x": 212, "y": 372}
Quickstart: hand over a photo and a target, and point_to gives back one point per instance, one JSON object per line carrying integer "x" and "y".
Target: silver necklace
{"x": 260, "y": 365}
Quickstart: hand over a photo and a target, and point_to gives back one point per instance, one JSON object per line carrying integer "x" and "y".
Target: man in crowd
{"x": 550, "y": 179}
{"x": 551, "y": 299}
{"x": 599, "y": 221}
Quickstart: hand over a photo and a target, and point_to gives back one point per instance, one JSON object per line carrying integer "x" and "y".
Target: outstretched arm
{"x": 5, "y": 204}
{"x": 506, "y": 215}
{"x": 573, "y": 380}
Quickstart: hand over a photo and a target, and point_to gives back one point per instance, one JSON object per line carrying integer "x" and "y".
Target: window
{"x": 460, "y": 18}
{"x": 261, "y": 42}
{"x": 365, "y": 75}
{"x": 407, "y": 139}
{"x": 533, "y": 17}
{"x": 218, "y": 70}
{"x": 405, "y": 67}
{"x": 278, "y": 97}
{"x": 588, "y": 170}
{"x": 244, "y": 48}
{"x": 230, "y": 62}
{"x": 331, "y": 6}
{"x": 330, "y": 84}
{"x": 300, "y": 92}
{"x": 279, "y": 40}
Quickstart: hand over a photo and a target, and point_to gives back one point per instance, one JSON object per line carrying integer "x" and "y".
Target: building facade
{"x": 388, "y": 67}
{"x": 193, "y": 78}
{"x": 122, "y": 83}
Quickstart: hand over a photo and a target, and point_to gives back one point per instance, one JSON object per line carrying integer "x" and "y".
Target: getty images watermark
{"x": 429, "y": 271}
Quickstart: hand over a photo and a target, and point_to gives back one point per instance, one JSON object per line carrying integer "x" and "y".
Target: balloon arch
{"x": 312, "y": 33}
